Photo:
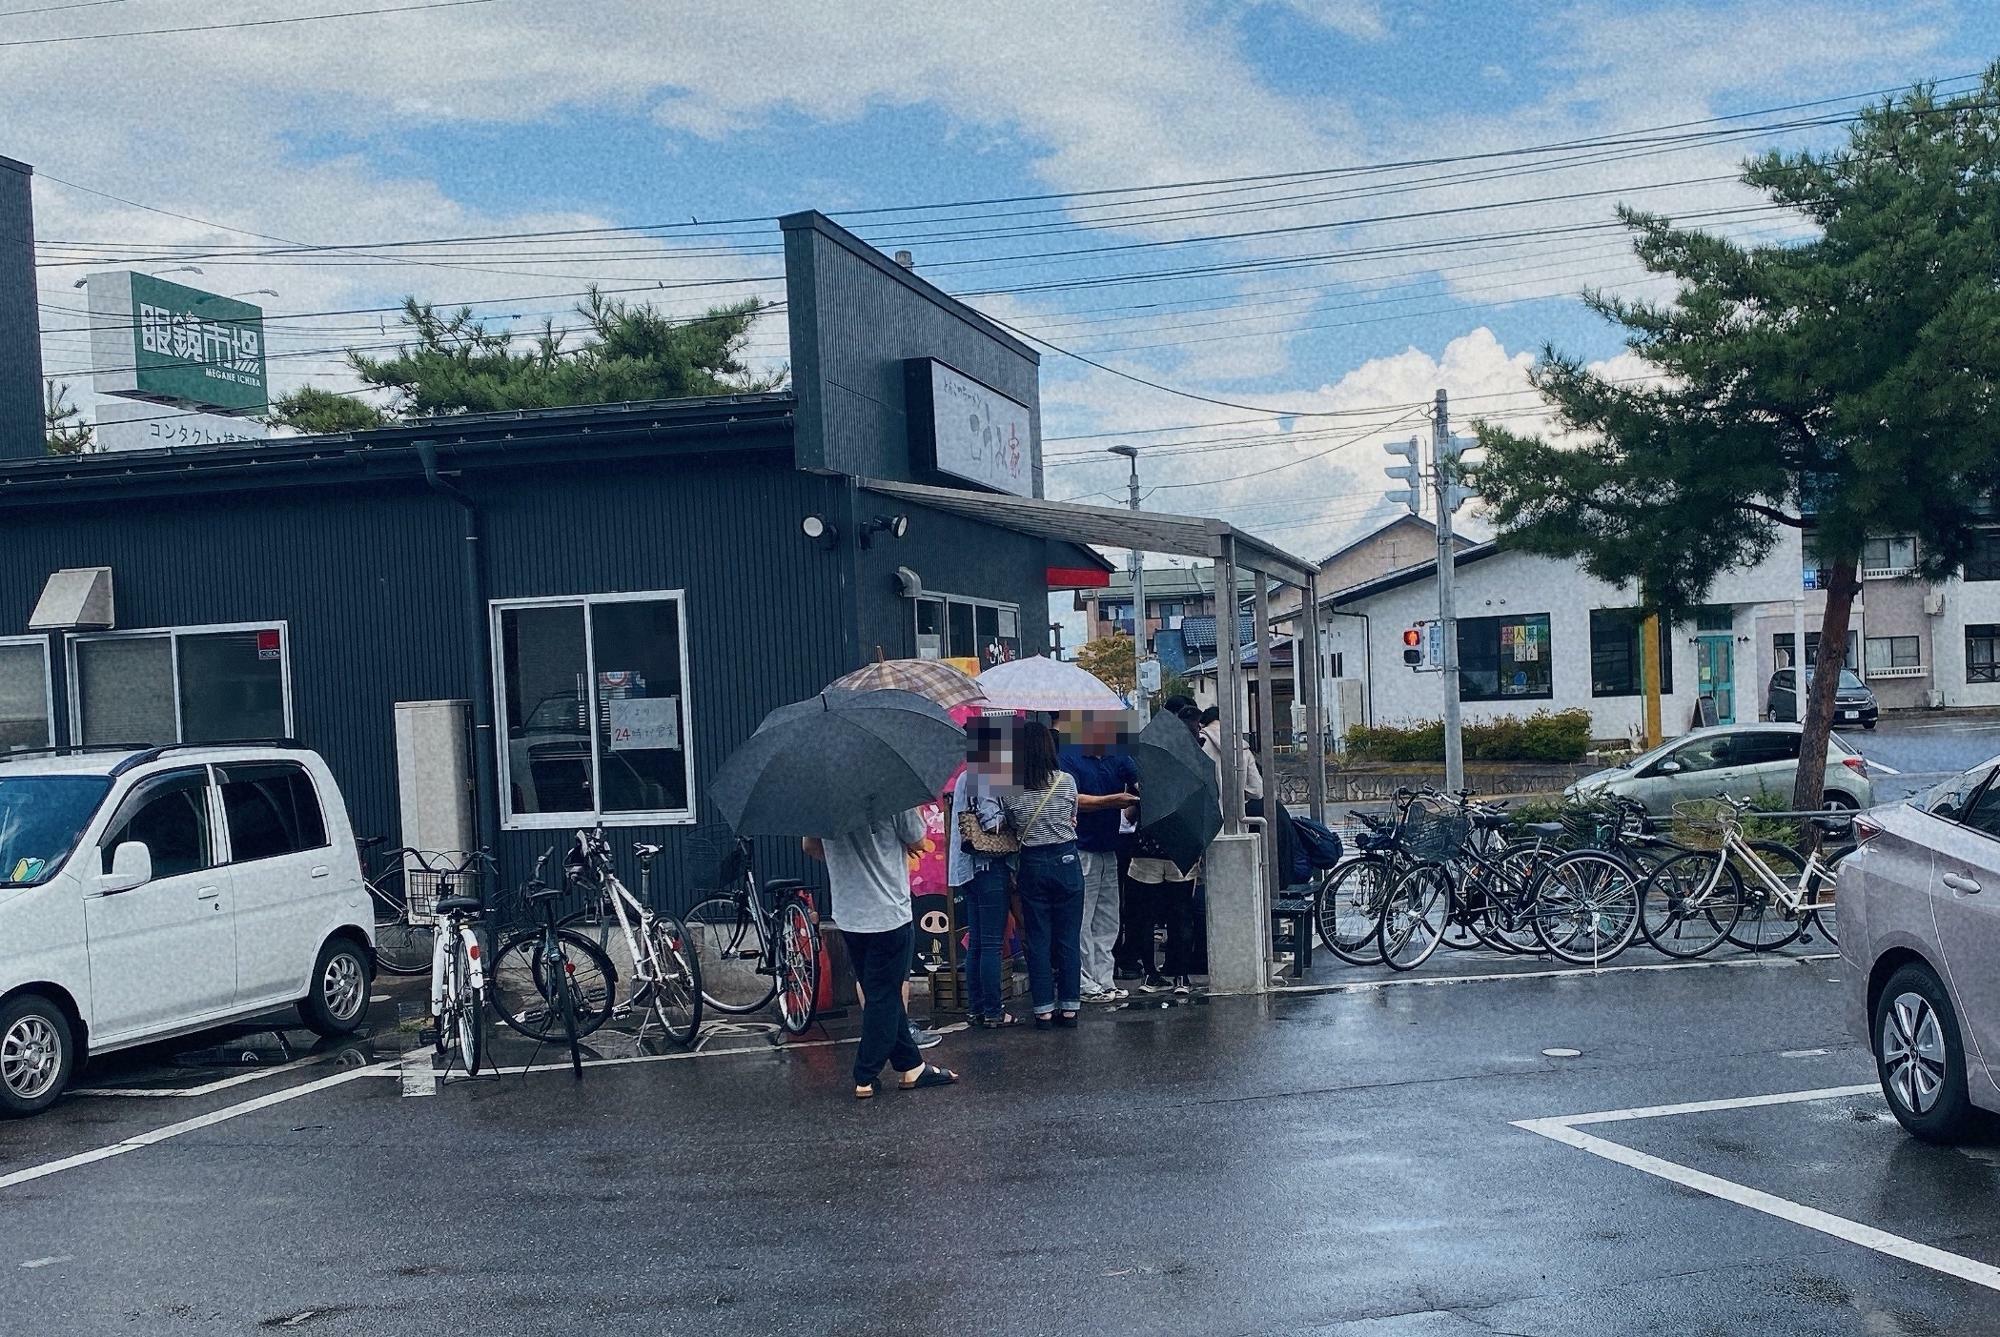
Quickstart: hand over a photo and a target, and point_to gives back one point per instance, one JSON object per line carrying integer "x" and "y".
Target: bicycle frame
{"x": 444, "y": 967}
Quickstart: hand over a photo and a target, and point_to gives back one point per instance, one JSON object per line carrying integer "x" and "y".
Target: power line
{"x": 240, "y": 23}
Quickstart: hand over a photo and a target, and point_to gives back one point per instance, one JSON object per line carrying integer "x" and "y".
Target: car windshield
{"x": 41, "y": 818}
{"x": 1848, "y": 682}
{"x": 1948, "y": 798}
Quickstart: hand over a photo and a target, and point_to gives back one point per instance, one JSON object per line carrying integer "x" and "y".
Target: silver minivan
{"x": 1920, "y": 936}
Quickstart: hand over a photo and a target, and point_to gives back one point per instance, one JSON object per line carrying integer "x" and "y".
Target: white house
{"x": 1536, "y": 633}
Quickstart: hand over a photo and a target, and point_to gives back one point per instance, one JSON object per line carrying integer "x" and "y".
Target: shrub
{"x": 1547, "y": 736}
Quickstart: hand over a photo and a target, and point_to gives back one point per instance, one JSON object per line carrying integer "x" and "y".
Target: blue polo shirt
{"x": 1112, "y": 773}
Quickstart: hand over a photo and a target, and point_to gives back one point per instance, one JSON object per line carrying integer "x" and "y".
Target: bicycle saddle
{"x": 1836, "y": 825}
{"x": 1373, "y": 840}
{"x": 460, "y": 905}
{"x": 1540, "y": 828}
{"x": 536, "y": 895}
{"x": 1494, "y": 821}
{"x": 780, "y": 886}
{"x": 645, "y": 851}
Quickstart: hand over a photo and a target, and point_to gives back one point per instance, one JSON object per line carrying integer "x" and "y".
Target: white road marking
{"x": 1566, "y": 1131}
{"x": 1360, "y": 986}
{"x": 1562, "y": 1053}
{"x": 48, "y": 1262}
{"x": 1805, "y": 1053}
{"x": 418, "y": 1072}
{"x": 206, "y": 1088}
{"x": 198, "y": 1122}
{"x": 630, "y": 1059}
{"x": 1960, "y": 726}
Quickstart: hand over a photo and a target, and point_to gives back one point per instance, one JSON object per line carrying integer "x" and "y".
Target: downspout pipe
{"x": 479, "y": 655}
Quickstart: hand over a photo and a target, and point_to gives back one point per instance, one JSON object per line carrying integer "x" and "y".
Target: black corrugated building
{"x": 20, "y": 330}
{"x": 638, "y": 574}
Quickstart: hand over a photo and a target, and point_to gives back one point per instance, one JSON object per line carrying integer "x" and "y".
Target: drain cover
{"x": 1562, "y": 1053}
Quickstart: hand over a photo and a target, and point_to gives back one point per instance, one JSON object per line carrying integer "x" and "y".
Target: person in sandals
{"x": 870, "y": 876}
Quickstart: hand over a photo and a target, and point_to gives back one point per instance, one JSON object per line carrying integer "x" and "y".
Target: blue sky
{"x": 522, "y": 116}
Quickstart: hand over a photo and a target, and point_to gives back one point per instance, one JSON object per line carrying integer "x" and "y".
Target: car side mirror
{"x": 1669, "y": 767}
{"x": 131, "y": 866}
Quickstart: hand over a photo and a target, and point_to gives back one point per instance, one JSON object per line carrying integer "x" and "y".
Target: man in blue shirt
{"x": 1107, "y": 781}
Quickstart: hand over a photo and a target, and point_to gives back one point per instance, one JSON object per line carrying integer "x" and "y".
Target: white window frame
{"x": 1894, "y": 570}
{"x": 48, "y": 682}
{"x": 1917, "y": 670}
{"x": 949, "y": 599}
{"x": 173, "y": 637}
{"x": 550, "y": 821}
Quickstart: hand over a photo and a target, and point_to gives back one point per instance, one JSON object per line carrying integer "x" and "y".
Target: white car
{"x": 1741, "y": 760}
{"x": 148, "y": 893}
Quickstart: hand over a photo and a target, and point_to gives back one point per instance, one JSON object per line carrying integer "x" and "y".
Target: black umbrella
{"x": 1179, "y": 807}
{"x": 838, "y": 762}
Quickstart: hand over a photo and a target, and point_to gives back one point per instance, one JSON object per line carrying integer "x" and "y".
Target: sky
{"x": 1315, "y": 211}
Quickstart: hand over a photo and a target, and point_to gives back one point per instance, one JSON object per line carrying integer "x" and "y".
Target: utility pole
{"x": 1138, "y": 567}
{"x": 1444, "y": 485}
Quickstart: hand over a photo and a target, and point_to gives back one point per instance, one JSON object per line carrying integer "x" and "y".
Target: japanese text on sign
{"x": 224, "y": 351}
{"x": 643, "y": 724}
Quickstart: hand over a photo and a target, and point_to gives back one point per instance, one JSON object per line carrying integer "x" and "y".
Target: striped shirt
{"x": 1045, "y": 816}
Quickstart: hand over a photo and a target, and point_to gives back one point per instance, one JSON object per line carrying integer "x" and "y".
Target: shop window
{"x": 1781, "y": 649}
{"x": 1504, "y": 658}
{"x": 24, "y": 694}
{"x": 930, "y": 629}
{"x": 181, "y": 685}
{"x": 975, "y": 629}
{"x": 1617, "y": 654}
{"x": 1982, "y": 652}
{"x": 1984, "y": 563}
{"x": 1886, "y": 654}
{"x": 593, "y": 695}
{"x": 272, "y": 810}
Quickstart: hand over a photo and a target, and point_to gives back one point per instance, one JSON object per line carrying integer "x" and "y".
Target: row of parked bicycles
{"x": 1446, "y": 870}
{"x": 578, "y": 936}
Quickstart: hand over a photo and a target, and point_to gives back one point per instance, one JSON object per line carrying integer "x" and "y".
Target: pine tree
{"x": 1840, "y": 384}
{"x": 66, "y": 430}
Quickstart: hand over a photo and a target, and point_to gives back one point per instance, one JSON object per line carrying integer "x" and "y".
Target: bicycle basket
{"x": 1590, "y": 828}
{"x": 1432, "y": 832}
{"x": 434, "y": 878}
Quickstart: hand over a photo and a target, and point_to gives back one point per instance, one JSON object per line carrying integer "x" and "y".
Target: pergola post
{"x": 1239, "y": 903}
{"x": 1228, "y": 685}
{"x": 1260, "y": 630}
{"x": 1309, "y": 653}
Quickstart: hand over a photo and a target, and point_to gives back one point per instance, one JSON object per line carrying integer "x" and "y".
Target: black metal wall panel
{"x": 20, "y": 329}
{"x": 951, "y": 555}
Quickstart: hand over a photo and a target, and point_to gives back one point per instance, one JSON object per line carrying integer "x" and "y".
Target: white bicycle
{"x": 458, "y": 981}
{"x": 1758, "y": 894}
{"x": 663, "y": 965}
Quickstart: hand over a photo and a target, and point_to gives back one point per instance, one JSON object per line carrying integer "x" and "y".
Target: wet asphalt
{"x": 1336, "y": 1164}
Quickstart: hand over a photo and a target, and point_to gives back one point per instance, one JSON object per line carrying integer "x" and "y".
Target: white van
{"x": 151, "y": 892}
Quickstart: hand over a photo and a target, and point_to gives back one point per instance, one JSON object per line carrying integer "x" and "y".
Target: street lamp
{"x": 1131, "y": 454}
{"x": 255, "y": 292}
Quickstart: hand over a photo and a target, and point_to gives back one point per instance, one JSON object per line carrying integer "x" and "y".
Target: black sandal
{"x": 929, "y": 1075}
{"x": 999, "y": 1023}
{"x": 1066, "y": 1019}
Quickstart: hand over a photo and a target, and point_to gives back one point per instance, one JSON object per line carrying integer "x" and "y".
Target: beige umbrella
{"x": 926, "y": 677}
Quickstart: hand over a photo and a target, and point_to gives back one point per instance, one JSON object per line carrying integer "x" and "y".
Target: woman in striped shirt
{"x": 1041, "y": 809}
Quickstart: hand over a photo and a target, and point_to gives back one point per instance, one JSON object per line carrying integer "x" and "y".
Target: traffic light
{"x": 1451, "y": 463}
{"x": 1413, "y": 646}
{"x": 1410, "y": 494}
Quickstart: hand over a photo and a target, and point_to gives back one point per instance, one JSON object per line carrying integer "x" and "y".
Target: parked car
{"x": 1740, "y": 760}
{"x": 148, "y": 893}
{"x": 1853, "y": 700}
{"x": 1920, "y": 934}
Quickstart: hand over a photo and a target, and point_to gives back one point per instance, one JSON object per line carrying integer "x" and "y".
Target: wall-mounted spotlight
{"x": 895, "y": 526}
{"x": 820, "y": 530}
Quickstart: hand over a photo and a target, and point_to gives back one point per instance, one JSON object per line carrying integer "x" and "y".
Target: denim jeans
{"x": 1052, "y": 911}
{"x": 881, "y": 963}
{"x": 986, "y": 939}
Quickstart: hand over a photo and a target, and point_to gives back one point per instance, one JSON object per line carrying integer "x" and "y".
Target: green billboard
{"x": 169, "y": 344}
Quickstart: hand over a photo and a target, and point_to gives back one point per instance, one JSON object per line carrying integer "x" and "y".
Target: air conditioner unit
{"x": 1934, "y": 603}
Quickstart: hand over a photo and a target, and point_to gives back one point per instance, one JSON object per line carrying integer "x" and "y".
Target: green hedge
{"x": 1546, "y": 735}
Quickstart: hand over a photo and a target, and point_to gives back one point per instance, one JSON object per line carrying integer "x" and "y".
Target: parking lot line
{"x": 1567, "y": 1130}
{"x": 199, "y": 1121}
{"x": 205, "y": 1089}
{"x": 1402, "y": 981}
{"x": 629, "y": 1059}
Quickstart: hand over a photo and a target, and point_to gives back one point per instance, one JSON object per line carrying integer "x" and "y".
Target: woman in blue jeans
{"x": 1041, "y": 809}
{"x": 982, "y": 879}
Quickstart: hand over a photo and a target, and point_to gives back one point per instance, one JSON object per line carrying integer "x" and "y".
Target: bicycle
{"x": 550, "y": 980}
{"x": 1757, "y": 894}
{"x": 403, "y": 942}
{"x": 758, "y": 952}
{"x": 1347, "y": 902}
{"x": 666, "y": 969}
{"x": 458, "y": 981}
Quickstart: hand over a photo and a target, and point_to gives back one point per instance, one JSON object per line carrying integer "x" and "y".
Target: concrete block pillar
{"x": 1239, "y": 915}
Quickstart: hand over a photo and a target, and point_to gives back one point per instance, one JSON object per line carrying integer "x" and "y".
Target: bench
{"x": 1292, "y": 926}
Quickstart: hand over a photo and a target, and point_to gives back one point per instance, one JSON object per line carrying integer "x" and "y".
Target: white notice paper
{"x": 644, "y": 724}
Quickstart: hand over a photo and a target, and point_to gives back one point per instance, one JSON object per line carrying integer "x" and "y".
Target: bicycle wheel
{"x": 529, "y": 1003}
{"x": 1586, "y": 907}
{"x": 401, "y": 948}
{"x": 472, "y": 1030}
{"x": 566, "y": 1009}
{"x": 1414, "y": 914}
{"x": 729, "y": 942}
{"x": 674, "y": 992}
{"x": 798, "y": 968}
{"x": 1680, "y": 913}
{"x": 1503, "y": 899}
{"x": 1767, "y": 922}
{"x": 1348, "y": 915}
{"x": 1819, "y": 897}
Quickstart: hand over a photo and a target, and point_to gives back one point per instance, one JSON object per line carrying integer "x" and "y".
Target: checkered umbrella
{"x": 928, "y": 678}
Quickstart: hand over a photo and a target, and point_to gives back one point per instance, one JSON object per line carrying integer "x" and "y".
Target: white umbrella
{"x": 1041, "y": 683}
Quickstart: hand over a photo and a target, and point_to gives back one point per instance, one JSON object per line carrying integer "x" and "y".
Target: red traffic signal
{"x": 1412, "y": 636}
{"x": 1413, "y": 643}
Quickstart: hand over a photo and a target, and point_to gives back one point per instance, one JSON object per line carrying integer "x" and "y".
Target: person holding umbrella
{"x": 1041, "y": 809}
{"x": 1164, "y": 879}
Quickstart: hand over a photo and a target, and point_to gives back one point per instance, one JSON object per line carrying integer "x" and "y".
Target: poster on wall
{"x": 969, "y": 430}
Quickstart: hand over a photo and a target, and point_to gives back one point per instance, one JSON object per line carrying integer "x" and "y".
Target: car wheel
{"x": 1869, "y": 725}
{"x": 37, "y": 1052}
{"x": 1920, "y": 1057}
{"x": 338, "y": 994}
